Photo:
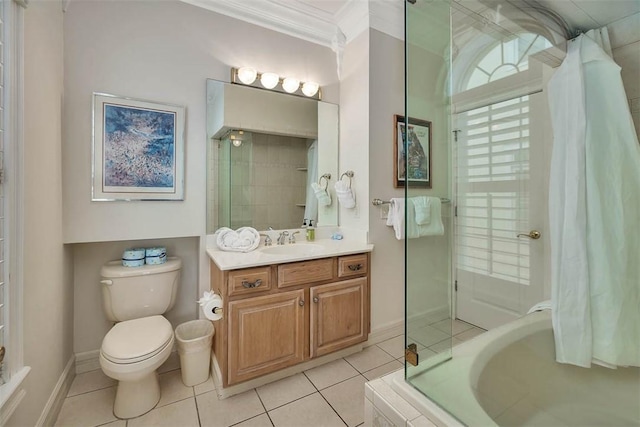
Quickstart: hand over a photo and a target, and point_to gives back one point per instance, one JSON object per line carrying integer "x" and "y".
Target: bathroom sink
{"x": 293, "y": 249}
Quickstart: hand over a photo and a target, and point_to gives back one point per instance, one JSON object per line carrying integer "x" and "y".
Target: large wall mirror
{"x": 265, "y": 149}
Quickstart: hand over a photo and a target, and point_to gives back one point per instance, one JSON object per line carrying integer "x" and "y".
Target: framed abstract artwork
{"x": 138, "y": 149}
{"x": 411, "y": 152}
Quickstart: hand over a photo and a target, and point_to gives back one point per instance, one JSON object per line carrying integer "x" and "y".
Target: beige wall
{"x": 387, "y": 98}
{"x": 165, "y": 52}
{"x": 354, "y": 129}
{"x": 48, "y": 289}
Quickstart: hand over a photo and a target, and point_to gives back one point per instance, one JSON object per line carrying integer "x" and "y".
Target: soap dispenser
{"x": 311, "y": 231}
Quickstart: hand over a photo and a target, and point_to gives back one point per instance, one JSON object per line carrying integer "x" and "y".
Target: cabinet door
{"x": 338, "y": 315}
{"x": 265, "y": 334}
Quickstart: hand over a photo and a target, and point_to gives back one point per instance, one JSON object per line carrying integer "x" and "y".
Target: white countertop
{"x": 325, "y": 248}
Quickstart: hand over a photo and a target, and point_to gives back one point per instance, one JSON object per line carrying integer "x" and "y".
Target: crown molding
{"x": 302, "y": 22}
{"x": 387, "y": 16}
{"x": 306, "y": 22}
{"x": 353, "y": 19}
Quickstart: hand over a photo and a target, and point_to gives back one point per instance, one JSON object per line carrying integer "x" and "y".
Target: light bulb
{"x": 269, "y": 80}
{"x": 247, "y": 75}
{"x": 290, "y": 85}
{"x": 310, "y": 88}
{"x": 237, "y": 142}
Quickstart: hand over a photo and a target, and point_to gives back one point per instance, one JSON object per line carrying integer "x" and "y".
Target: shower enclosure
{"x": 478, "y": 71}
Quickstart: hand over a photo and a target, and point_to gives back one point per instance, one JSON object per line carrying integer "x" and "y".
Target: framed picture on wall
{"x": 413, "y": 164}
{"x": 138, "y": 149}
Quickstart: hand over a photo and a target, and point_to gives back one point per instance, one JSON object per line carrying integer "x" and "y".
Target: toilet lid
{"x": 138, "y": 339}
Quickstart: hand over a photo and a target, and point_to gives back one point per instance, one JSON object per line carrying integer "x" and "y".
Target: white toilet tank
{"x": 135, "y": 292}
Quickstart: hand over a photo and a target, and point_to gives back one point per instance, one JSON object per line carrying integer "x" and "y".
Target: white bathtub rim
{"x": 469, "y": 359}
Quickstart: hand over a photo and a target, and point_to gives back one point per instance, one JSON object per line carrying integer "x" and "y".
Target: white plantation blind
{"x": 492, "y": 185}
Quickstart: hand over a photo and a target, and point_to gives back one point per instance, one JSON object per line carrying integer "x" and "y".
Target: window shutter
{"x": 492, "y": 186}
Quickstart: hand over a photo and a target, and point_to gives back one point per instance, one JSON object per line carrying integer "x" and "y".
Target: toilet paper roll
{"x": 212, "y": 308}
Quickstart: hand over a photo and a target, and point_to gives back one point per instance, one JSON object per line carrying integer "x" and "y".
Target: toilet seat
{"x": 136, "y": 340}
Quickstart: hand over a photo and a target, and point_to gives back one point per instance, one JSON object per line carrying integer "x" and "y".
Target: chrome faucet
{"x": 292, "y": 237}
{"x": 282, "y": 236}
{"x": 267, "y": 239}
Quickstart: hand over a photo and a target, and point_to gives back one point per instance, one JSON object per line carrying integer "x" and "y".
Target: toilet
{"x": 141, "y": 339}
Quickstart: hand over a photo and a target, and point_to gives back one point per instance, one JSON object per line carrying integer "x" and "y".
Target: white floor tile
{"x": 454, "y": 328}
{"x": 284, "y": 391}
{"x": 382, "y": 370}
{"x": 259, "y": 421}
{"x": 471, "y": 333}
{"x": 347, "y": 399}
{"x": 183, "y": 414}
{"x": 88, "y": 409}
{"x": 205, "y": 387}
{"x": 331, "y": 373}
{"x": 171, "y": 364}
{"x": 312, "y": 410}
{"x": 90, "y": 381}
{"x": 394, "y": 346}
{"x": 369, "y": 358}
{"x": 232, "y": 410}
{"x": 427, "y": 336}
{"x": 172, "y": 389}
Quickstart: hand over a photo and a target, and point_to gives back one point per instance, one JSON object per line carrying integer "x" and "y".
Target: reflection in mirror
{"x": 265, "y": 150}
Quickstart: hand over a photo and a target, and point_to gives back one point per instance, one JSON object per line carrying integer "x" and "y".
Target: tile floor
{"x": 329, "y": 395}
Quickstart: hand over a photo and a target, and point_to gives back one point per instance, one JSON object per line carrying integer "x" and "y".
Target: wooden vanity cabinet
{"x": 316, "y": 307}
{"x": 266, "y": 333}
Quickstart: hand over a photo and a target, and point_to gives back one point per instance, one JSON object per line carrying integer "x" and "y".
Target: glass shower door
{"x": 428, "y": 258}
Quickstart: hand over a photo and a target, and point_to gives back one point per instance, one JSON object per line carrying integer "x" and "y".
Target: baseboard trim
{"x": 385, "y": 332}
{"x": 59, "y": 393}
{"x": 87, "y": 361}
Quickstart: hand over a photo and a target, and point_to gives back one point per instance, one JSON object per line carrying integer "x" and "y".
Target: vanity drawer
{"x": 352, "y": 265}
{"x": 300, "y": 273}
{"x": 249, "y": 281}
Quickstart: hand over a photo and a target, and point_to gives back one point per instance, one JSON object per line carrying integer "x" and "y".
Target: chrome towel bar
{"x": 378, "y": 202}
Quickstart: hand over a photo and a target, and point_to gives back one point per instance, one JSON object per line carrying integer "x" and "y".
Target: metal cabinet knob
{"x": 301, "y": 303}
{"x": 533, "y": 234}
{"x": 316, "y": 300}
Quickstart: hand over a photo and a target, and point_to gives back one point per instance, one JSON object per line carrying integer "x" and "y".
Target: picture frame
{"x": 418, "y": 162}
{"x": 138, "y": 149}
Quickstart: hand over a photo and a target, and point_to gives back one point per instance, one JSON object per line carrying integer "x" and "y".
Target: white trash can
{"x": 194, "y": 347}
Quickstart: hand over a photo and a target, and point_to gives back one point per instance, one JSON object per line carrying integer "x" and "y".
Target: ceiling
{"x": 334, "y": 22}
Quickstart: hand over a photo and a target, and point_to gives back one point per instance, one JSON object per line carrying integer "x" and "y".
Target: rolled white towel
{"x": 244, "y": 239}
{"x": 543, "y": 305}
{"x": 345, "y": 195}
{"x": 324, "y": 199}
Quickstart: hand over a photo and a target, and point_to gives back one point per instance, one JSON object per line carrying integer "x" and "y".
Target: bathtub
{"x": 508, "y": 377}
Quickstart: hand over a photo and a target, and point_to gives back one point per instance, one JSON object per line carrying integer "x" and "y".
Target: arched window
{"x": 505, "y": 58}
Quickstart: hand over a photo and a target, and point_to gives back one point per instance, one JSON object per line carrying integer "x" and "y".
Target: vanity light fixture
{"x": 250, "y": 77}
{"x": 310, "y": 88}
{"x": 269, "y": 80}
{"x": 247, "y": 75}
{"x": 290, "y": 85}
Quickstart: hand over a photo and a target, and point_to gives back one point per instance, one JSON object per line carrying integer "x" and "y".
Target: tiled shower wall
{"x": 268, "y": 182}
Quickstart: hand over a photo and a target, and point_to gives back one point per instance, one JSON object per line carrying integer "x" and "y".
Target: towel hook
{"x": 348, "y": 174}
{"x": 327, "y": 177}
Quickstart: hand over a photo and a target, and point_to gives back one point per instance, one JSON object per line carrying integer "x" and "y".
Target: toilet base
{"x": 134, "y": 398}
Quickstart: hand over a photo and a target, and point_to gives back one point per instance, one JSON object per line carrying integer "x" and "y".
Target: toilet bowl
{"x": 131, "y": 352}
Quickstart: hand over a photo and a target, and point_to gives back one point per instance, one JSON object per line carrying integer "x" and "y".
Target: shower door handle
{"x": 533, "y": 234}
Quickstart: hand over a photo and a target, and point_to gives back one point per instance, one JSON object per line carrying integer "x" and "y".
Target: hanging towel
{"x": 244, "y": 239}
{"x": 321, "y": 194}
{"x": 345, "y": 195}
{"x": 433, "y": 228}
{"x": 396, "y": 219}
{"x": 423, "y": 209}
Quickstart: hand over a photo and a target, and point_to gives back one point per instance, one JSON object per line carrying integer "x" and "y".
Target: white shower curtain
{"x": 311, "y": 203}
{"x": 594, "y": 210}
